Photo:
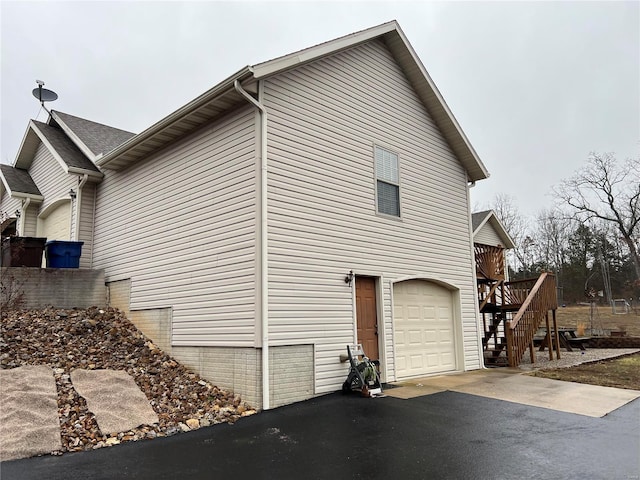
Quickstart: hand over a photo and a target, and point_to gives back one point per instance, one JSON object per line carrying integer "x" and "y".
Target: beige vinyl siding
{"x": 182, "y": 226}
{"x": 30, "y": 221}
{"x": 85, "y": 233}
{"x": 324, "y": 120}
{"x": 9, "y": 205}
{"x": 52, "y": 181}
{"x": 487, "y": 236}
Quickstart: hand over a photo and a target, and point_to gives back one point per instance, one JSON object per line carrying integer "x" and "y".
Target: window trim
{"x": 376, "y": 179}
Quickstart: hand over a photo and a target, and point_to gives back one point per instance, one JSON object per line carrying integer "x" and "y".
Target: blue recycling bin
{"x": 63, "y": 254}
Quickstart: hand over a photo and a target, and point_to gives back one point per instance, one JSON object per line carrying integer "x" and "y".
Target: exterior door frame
{"x": 379, "y": 282}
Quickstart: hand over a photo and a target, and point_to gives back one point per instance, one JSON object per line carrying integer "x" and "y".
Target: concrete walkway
{"x": 514, "y": 386}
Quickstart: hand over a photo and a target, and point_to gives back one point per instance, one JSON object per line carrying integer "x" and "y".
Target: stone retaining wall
{"x": 614, "y": 342}
{"x": 58, "y": 287}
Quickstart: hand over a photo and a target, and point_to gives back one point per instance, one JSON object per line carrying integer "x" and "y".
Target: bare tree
{"x": 516, "y": 226}
{"x": 552, "y": 234}
{"x": 607, "y": 190}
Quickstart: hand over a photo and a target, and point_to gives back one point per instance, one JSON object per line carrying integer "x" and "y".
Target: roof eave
{"x": 504, "y": 235}
{"x": 84, "y": 171}
{"x": 395, "y": 39}
{"x": 293, "y": 60}
{"x": 32, "y": 196}
{"x": 207, "y": 97}
{"x": 27, "y": 148}
{"x": 443, "y": 116}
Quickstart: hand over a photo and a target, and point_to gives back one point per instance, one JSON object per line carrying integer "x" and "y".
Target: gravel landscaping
{"x": 94, "y": 339}
{"x": 570, "y": 359}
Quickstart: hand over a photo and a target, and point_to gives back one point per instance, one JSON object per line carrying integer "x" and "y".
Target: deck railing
{"x": 535, "y": 307}
{"x": 489, "y": 261}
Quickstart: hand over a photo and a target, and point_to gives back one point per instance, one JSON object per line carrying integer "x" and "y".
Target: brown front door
{"x": 366, "y": 316}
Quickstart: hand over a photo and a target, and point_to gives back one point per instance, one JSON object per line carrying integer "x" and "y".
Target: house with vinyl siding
{"x": 305, "y": 203}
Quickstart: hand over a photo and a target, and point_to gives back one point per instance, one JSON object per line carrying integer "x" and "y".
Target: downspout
{"x": 476, "y": 308}
{"x": 76, "y": 233}
{"x": 23, "y": 217}
{"x": 264, "y": 276}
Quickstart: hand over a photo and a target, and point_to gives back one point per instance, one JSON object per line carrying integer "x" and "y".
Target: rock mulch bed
{"x": 104, "y": 339}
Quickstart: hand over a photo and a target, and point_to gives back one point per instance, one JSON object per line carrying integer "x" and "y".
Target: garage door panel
{"x": 415, "y": 337}
{"x": 423, "y": 329}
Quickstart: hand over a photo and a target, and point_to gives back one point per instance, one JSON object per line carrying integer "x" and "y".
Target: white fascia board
{"x": 35, "y": 198}
{"x": 482, "y": 223}
{"x": 83, "y": 171}
{"x": 497, "y": 225}
{"x": 310, "y": 54}
{"x": 47, "y": 144}
{"x": 444, "y": 105}
{"x": 19, "y": 156}
{"x": 166, "y": 122}
{"x": 74, "y": 138}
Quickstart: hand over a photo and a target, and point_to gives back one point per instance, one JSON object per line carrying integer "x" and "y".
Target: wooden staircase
{"x": 512, "y": 312}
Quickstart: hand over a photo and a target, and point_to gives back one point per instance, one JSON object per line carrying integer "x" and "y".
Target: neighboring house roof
{"x": 479, "y": 219}
{"x": 94, "y": 139}
{"x": 221, "y": 98}
{"x": 68, "y": 155}
{"x": 18, "y": 182}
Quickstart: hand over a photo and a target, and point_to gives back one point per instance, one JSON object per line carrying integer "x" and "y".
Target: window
{"x": 387, "y": 182}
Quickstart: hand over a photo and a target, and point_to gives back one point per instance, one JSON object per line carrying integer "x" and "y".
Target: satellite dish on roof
{"x": 43, "y": 94}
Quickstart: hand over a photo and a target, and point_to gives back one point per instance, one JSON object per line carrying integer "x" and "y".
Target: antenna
{"x": 44, "y": 95}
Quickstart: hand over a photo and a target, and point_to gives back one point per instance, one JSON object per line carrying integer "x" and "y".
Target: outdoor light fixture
{"x": 349, "y": 278}
{"x": 72, "y": 194}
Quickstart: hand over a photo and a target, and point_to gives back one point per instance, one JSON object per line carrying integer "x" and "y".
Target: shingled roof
{"x": 478, "y": 219}
{"x": 98, "y": 138}
{"x": 68, "y": 151}
{"x": 18, "y": 180}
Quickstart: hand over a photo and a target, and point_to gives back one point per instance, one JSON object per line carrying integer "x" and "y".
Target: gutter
{"x": 264, "y": 274}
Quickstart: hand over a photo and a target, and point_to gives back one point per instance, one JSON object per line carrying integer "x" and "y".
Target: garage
{"x": 57, "y": 222}
{"x": 424, "y": 333}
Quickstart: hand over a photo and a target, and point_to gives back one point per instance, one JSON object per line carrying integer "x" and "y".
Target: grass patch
{"x": 621, "y": 372}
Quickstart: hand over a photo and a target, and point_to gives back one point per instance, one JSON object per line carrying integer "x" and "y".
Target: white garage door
{"x": 424, "y": 335}
{"x": 56, "y": 225}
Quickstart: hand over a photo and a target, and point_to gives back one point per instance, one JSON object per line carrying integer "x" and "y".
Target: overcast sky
{"x": 535, "y": 86}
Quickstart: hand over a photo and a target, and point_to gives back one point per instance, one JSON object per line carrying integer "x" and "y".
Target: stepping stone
{"x": 29, "y": 423}
{"x": 114, "y": 398}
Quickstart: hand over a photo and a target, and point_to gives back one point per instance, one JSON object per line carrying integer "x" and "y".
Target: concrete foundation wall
{"x": 119, "y": 295}
{"x": 291, "y": 375}
{"x": 155, "y": 324}
{"x": 59, "y": 287}
{"x": 240, "y": 369}
{"x": 236, "y": 369}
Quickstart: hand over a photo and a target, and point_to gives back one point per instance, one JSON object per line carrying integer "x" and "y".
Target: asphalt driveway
{"x": 444, "y": 435}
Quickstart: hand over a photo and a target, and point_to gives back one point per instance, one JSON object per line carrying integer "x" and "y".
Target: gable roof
{"x": 479, "y": 219}
{"x": 68, "y": 155}
{"x": 221, "y": 98}
{"x": 93, "y": 139}
{"x": 18, "y": 182}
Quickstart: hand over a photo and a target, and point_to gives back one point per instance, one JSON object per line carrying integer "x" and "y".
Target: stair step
{"x": 492, "y": 362}
{"x": 495, "y": 352}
